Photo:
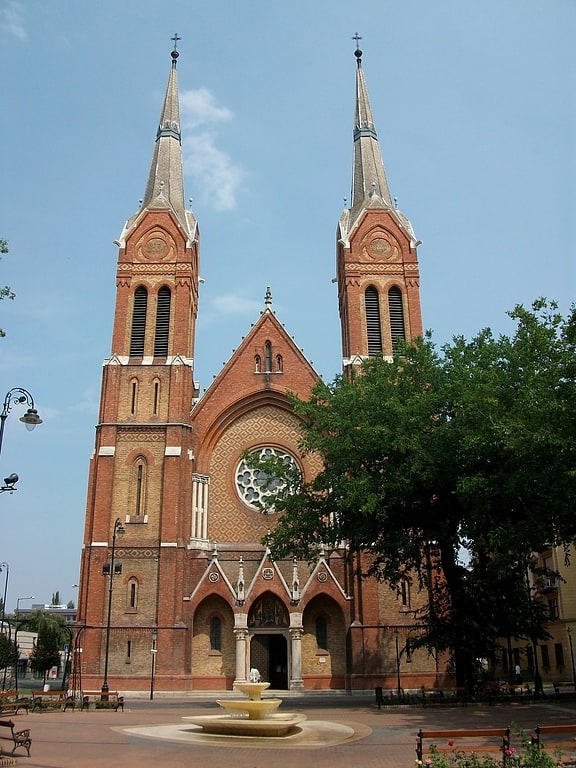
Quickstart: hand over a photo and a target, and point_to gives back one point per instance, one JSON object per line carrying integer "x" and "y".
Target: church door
{"x": 269, "y": 655}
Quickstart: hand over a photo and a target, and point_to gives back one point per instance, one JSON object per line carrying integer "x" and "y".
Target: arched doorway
{"x": 269, "y": 655}
{"x": 268, "y": 623}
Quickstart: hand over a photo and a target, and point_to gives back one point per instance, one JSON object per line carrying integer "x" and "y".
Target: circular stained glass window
{"x": 254, "y": 485}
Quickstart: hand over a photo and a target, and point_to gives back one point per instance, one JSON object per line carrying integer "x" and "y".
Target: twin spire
{"x": 165, "y": 187}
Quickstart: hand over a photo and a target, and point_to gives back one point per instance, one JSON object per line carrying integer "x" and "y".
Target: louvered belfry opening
{"x": 373, "y": 326}
{"x": 396, "y": 309}
{"x": 139, "y": 322}
{"x": 162, "y": 322}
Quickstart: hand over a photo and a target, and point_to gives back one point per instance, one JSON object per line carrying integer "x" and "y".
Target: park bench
{"x": 556, "y": 737}
{"x": 112, "y": 698}
{"x": 11, "y": 703}
{"x": 45, "y": 699}
{"x": 18, "y": 738}
{"x": 477, "y": 740}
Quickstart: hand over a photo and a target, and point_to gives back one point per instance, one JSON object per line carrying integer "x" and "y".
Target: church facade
{"x": 178, "y": 592}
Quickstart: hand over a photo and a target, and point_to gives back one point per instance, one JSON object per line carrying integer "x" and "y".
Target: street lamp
{"x": 110, "y": 569}
{"x": 5, "y": 567}
{"x": 398, "y": 684}
{"x": 17, "y": 396}
{"x": 32, "y": 597}
{"x": 153, "y": 652}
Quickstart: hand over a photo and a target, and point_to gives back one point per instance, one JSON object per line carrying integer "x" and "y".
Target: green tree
{"x": 46, "y": 652}
{"x": 456, "y": 465}
{"x": 5, "y": 292}
{"x": 8, "y": 654}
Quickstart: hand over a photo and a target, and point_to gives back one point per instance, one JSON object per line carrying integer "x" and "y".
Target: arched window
{"x": 405, "y": 593}
{"x": 133, "y": 594}
{"x": 321, "y": 632}
{"x": 257, "y": 364}
{"x": 396, "y": 309}
{"x": 139, "y": 488}
{"x": 279, "y": 364}
{"x": 139, "y": 322}
{"x": 162, "y": 322}
{"x": 373, "y": 326}
{"x": 268, "y": 357}
{"x": 134, "y": 397}
{"x": 215, "y": 633}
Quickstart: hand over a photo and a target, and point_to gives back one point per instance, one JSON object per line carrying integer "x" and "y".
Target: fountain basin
{"x": 257, "y": 709}
{"x": 252, "y": 690}
{"x": 275, "y": 726}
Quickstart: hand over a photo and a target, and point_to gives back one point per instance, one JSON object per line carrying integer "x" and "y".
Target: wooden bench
{"x": 453, "y": 740}
{"x": 45, "y": 699}
{"x": 113, "y": 698}
{"x": 556, "y": 737}
{"x": 11, "y": 703}
{"x": 18, "y": 738}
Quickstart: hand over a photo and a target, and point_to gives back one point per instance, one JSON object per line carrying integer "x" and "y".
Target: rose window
{"x": 254, "y": 485}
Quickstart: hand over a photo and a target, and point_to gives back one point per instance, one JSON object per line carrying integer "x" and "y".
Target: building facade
{"x": 177, "y": 590}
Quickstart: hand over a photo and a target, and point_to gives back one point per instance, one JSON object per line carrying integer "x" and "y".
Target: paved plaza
{"x": 342, "y": 731}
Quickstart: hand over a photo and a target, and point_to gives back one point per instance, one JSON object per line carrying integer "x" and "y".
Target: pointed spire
{"x": 165, "y": 187}
{"x": 369, "y": 184}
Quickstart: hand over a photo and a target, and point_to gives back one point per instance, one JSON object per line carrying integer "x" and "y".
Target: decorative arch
{"x": 396, "y": 312}
{"x": 268, "y": 612}
{"x": 139, "y": 311}
{"x": 162, "y": 332}
{"x": 373, "y": 323}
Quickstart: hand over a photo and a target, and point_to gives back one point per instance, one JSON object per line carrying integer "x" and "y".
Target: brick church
{"x": 177, "y": 590}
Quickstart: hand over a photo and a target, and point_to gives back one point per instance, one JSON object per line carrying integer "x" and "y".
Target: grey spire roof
{"x": 369, "y": 175}
{"x": 165, "y": 186}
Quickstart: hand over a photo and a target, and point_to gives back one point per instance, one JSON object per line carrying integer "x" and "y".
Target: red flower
{"x": 451, "y": 742}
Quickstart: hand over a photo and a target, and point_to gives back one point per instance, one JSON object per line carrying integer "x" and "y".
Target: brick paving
{"x": 383, "y": 738}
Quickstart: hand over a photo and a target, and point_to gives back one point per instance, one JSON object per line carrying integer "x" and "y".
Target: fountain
{"x": 252, "y": 716}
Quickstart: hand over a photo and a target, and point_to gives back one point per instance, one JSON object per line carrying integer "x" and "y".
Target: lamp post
{"x": 569, "y": 630}
{"x": 398, "y": 684}
{"x": 153, "y": 652}
{"x": 5, "y": 567}
{"x": 32, "y": 597}
{"x": 110, "y": 569}
{"x": 17, "y": 396}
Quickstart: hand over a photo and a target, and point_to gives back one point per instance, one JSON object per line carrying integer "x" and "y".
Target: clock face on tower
{"x": 252, "y": 484}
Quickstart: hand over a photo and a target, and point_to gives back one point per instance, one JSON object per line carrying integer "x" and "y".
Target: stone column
{"x": 296, "y": 629}
{"x": 241, "y": 633}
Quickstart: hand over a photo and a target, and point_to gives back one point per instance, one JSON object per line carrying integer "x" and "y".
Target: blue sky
{"x": 475, "y": 111}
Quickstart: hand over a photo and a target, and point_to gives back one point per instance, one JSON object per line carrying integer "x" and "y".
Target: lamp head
{"x": 31, "y": 419}
{"x": 11, "y": 480}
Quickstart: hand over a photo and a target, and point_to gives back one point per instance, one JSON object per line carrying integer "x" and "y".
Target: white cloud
{"x": 215, "y": 175}
{"x": 12, "y": 19}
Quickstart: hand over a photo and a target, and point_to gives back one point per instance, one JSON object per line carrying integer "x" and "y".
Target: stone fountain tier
{"x": 253, "y": 716}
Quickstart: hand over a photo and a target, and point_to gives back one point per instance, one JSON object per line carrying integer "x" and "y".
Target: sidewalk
{"x": 383, "y": 738}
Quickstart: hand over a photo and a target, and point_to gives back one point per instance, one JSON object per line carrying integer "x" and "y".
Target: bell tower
{"x": 142, "y": 465}
{"x": 377, "y": 265}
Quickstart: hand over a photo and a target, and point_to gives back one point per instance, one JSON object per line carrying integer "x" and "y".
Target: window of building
{"x": 215, "y": 633}
{"x": 553, "y": 608}
{"x": 253, "y": 485}
{"x": 268, "y": 357}
{"x": 162, "y": 322}
{"x": 405, "y": 593}
{"x": 373, "y": 325}
{"x": 128, "y": 651}
{"x": 139, "y": 322}
{"x": 529, "y": 657}
{"x": 279, "y": 364}
{"x": 257, "y": 364}
{"x": 133, "y": 587}
{"x": 396, "y": 309}
{"x": 156, "y": 398}
{"x": 322, "y": 633}
{"x": 134, "y": 398}
{"x": 545, "y": 658}
{"x": 559, "y": 656}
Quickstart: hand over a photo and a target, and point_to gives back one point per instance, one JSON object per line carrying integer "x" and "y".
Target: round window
{"x": 253, "y": 484}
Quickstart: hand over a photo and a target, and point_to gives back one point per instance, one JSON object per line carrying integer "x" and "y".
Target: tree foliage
{"x": 5, "y": 292}
{"x": 8, "y": 651}
{"x": 46, "y": 652}
{"x": 454, "y": 465}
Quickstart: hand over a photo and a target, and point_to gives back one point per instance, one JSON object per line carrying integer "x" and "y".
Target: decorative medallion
{"x": 214, "y": 577}
{"x": 322, "y": 576}
{"x": 268, "y": 573}
{"x": 155, "y": 248}
{"x": 379, "y": 247}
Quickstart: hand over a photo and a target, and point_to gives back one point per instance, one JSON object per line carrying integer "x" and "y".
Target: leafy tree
{"x": 56, "y": 598}
{"x": 455, "y": 465}
{"x": 5, "y": 292}
{"x": 46, "y": 652}
{"x": 8, "y": 652}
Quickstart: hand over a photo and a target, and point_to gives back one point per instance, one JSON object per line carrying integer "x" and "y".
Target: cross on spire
{"x": 175, "y": 40}
{"x": 357, "y": 38}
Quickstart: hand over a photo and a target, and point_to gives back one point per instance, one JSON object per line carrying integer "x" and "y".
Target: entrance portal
{"x": 269, "y": 655}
